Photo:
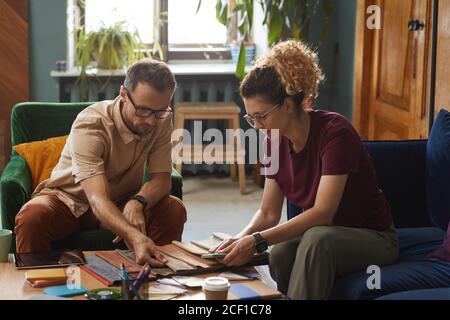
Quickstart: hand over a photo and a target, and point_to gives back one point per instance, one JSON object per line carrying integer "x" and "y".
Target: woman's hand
{"x": 240, "y": 251}
{"x": 224, "y": 245}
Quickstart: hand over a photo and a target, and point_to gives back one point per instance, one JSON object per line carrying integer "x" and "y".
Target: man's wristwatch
{"x": 141, "y": 199}
{"x": 260, "y": 242}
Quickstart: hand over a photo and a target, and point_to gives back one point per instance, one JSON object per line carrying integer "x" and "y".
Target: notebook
{"x": 64, "y": 291}
{"x": 46, "y": 274}
{"x": 253, "y": 290}
{"x": 46, "y": 283}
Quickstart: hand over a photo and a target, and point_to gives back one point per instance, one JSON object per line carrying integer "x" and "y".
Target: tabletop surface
{"x": 14, "y": 287}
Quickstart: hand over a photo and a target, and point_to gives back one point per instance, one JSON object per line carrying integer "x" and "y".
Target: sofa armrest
{"x": 177, "y": 184}
{"x": 15, "y": 189}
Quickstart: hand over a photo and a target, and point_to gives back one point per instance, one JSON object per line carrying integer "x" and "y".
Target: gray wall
{"x": 346, "y": 16}
{"x": 47, "y": 44}
{"x": 336, "y": 54}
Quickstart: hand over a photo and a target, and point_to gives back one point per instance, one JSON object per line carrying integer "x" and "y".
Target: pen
{"x": 140, "y": 279}
{"x": 140, "y": 275}
{"x": 126, "y": 294}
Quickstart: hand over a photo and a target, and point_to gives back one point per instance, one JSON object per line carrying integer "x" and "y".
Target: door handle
{"x": 416, "y": 25}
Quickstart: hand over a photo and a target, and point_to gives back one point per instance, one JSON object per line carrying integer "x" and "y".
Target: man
{"x": 98, "y": 179}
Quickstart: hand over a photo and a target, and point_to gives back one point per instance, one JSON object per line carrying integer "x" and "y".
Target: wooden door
{"x": 392, "y": 75}
{"x": 14, "y": 66}
{"x": 442, "y": 95}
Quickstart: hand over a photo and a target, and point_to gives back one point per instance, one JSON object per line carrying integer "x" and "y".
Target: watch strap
{"x": 141, "y": 199}
{"x": 260, "y": 242}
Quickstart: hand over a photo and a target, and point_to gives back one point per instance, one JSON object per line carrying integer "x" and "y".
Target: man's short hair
{"x": 152, "y": 72}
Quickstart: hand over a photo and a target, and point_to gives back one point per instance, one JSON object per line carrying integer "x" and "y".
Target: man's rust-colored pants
{"x": 45, "y": 219}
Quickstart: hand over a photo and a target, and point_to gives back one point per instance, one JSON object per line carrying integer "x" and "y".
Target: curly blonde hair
{"x": 297, "y": 66}
{"x": 290, "y": 68}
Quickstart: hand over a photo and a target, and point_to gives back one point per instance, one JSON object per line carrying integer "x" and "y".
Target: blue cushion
{"x": 400, "y": 169}
{"x": 425, "y": 294}
{"x": 412, "y": 270}
{"x": 438, "y": 171}
{"x": 293, "y": 210}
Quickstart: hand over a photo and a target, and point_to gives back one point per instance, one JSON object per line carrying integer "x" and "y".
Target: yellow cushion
{"x": 41, "y": 156}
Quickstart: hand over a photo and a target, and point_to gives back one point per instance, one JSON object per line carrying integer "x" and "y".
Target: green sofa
{"x": 32, "y": 121}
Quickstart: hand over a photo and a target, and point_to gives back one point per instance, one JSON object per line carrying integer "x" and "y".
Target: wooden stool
{"x": 212, "y": 111}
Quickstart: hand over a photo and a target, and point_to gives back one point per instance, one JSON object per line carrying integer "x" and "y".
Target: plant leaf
{"x": 198, "y": 6}
{"x": 240, "y": 65}
{"x": 238, "y": 7}
{"x": 249, "y": 8}
{"x": 221, "y": 12}
{"x": 243, "y": 25}
{"x": 275, "y": 26}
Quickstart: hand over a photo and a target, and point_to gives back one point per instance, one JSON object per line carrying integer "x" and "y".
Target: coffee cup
{"x": 5, "y": 244}
{"x": 216, "y": 288}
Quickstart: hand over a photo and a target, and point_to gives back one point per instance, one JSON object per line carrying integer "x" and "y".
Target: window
{"x": 174, "y": 23}
{"x": 190, "y": 29}
{"x": 137, "y": 13}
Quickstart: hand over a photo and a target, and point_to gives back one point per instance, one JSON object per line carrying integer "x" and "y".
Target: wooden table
{"x": 14, "y": 287}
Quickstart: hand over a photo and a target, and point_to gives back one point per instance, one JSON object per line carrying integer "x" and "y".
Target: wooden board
{"x": 14, "y": 79}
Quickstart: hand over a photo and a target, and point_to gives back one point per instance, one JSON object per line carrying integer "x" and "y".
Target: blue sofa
{"x": 401, "y": 172}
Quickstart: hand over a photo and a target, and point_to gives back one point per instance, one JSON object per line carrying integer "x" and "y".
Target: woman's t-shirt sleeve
{"x": 340, "y": 152}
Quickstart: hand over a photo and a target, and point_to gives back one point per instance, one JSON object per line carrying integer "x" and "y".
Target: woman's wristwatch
{"x": 260, "y": 242}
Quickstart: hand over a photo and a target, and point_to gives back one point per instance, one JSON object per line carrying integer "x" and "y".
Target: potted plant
{"x": 241, "y": 15}
{"x": 237, "y": 16}
{"x": 285, "y": 19}
{"x": 109, "y": 47}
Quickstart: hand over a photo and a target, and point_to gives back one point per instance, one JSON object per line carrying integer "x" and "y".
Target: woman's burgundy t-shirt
{"x": 333, "y": 147}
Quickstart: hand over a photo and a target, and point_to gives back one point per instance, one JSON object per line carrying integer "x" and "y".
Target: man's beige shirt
{"x": 100, "y": 143}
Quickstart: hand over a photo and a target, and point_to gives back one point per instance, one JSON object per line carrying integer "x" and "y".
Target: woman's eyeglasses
{"x": 145, "y": 113}
{"x": 260, "y": 117}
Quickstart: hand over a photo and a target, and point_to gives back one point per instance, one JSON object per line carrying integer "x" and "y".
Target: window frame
{"x": 195, "y": 51}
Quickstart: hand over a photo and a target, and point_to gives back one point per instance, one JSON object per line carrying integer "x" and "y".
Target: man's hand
{"x": 134, "y": 213}
{"x": 147, "y": 252}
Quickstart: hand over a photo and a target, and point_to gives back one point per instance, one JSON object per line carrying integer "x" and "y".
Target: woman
{"x": 324, "y": 168}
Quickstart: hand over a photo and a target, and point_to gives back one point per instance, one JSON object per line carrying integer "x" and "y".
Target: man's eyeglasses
{"x": 260, "y": 117}
{"x": 145, "y": 113}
